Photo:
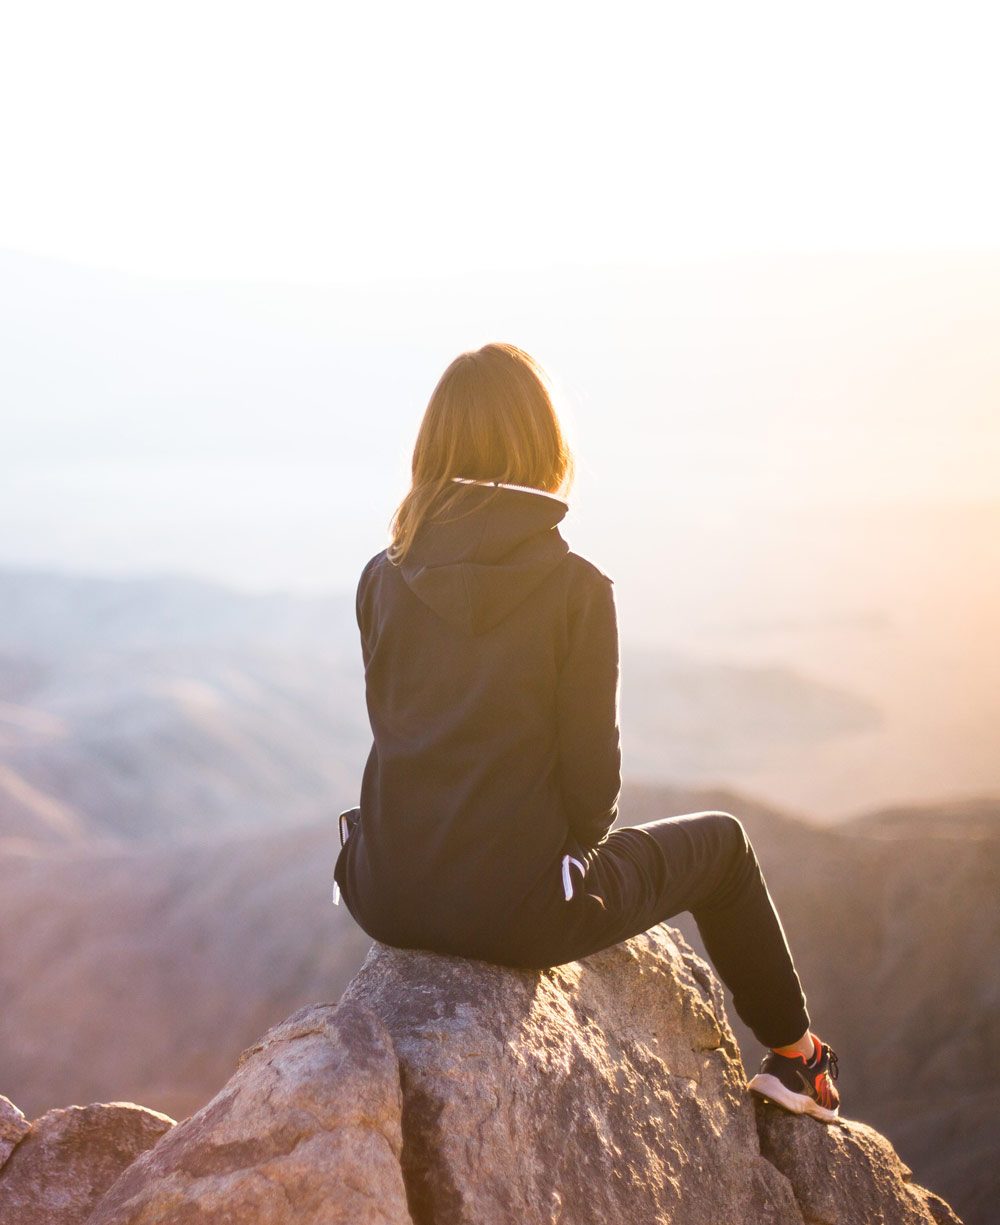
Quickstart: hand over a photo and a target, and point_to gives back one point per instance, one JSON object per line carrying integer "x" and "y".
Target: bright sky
{"x": 331, "y": 141}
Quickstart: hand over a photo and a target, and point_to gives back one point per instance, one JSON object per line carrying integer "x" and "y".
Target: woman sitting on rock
{"x": 487, "y": 803}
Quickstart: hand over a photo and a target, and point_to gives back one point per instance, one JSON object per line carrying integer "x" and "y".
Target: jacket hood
{"x": 474, "y": 570}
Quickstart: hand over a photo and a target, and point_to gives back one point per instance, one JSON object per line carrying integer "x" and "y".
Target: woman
{"x": 492, "y": 683}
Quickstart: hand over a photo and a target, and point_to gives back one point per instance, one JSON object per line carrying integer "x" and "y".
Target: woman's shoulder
{"x": 585, "y": 570}
{"x": 373, "y": 563}
{"x": 363, "y": 588}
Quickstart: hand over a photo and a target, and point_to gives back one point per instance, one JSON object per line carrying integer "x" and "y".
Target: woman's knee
{"x": 731, "y": 833}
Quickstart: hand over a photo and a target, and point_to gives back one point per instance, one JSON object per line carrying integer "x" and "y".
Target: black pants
{"x": 703, "y": 863}
{"x": 642, "y": 875}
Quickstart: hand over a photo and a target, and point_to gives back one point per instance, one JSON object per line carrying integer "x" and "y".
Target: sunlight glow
{"x": 309, "y": 141}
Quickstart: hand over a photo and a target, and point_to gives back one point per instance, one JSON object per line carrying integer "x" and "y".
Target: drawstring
{"x": 567, "y": 878}
{"x": 344, "y": 826}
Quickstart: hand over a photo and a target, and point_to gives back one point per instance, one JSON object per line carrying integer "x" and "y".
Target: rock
{"x": 68, "y": 1158}
{"x": 605, "y": 1090}
{"x": 259, "y": 906}
{"x": 13, "y": 1128}
{"x": 846, "y": 1174}
{"x": 445, "y": 1091}
{"x": 307, "y": 1130}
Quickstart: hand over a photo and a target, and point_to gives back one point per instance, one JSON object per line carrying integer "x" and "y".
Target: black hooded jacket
{"x": 492, "y": 683}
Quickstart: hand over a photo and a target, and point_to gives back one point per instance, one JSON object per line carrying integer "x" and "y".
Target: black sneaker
{"x": 800, "y": 1087}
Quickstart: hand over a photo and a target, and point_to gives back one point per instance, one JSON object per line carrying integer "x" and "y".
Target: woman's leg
{"x": 711, "y": 870}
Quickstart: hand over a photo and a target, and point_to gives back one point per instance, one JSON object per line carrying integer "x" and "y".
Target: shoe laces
{"x": 833, "y": 1069}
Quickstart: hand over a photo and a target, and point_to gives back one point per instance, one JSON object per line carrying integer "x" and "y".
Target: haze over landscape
{"x": 814, "y": 503}
{"x": 757, "y": 251}
{"x": 196, "y": 473}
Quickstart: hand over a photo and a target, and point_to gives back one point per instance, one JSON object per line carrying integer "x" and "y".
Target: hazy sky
{"x": 262, "y": 435}
{"x": 331, "y": 141}
{"x": 758, "y": 244}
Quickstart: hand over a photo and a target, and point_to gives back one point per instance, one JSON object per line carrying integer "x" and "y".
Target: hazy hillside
{"x": 155, "y": 744}
{"x": 141, "y": 973}
{"x": 896, "y": 932}
{"x": 57, "y": 613}
{"x": 960, "y": 820}
{"x": 787, "y": 462}
{"x": 228, "y": 729}
{"x": 144, "y": 710}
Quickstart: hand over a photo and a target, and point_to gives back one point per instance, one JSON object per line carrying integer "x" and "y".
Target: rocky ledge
{"x": 440, "y": 1090}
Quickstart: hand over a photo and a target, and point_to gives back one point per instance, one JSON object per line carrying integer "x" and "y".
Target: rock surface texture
{"x": 65, "y": 1160}
{"x": 442, "y": 1090}
{"x": 308, "y": 1130}
{"x": 845, "y": 1174}
{"x": 13, "y": 1128}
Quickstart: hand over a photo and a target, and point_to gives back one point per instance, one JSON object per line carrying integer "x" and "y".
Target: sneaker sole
{"x": 770, "y": 1087}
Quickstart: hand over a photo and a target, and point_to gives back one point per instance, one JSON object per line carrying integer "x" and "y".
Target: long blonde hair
{"x": 490, "y": 417}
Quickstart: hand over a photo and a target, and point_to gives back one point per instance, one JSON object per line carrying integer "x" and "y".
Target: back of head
{"x": 491, "y": 417}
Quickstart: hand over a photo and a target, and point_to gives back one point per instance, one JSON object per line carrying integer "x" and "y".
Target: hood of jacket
{"x": 474, "y": 569}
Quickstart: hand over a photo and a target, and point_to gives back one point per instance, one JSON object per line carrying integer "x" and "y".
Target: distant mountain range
{"x": 140, "y": 973}
{"x": 138, "y": 710}
{"x": 894, "y": 921}
{"x": 172, "y": 758}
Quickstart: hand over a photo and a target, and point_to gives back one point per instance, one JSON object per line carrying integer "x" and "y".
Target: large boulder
{"x": 68, "y": 1158}
{"x": 307, "y": 1130}
{"x": 847, "y": 1174}
{"x": 604, "y": 1090}
{"x": 442, "y": 1090}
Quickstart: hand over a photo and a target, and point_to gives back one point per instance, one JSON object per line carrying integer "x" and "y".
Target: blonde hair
{"x": 490, "y": 417}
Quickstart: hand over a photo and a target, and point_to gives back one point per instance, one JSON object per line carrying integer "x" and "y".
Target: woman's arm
{"x": 588, "y": 696}
{"x": 361, "y": 609}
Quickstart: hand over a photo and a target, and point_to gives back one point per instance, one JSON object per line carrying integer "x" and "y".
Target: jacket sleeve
{"x": 588, "y": 700}
{"x": 362, "y": 612}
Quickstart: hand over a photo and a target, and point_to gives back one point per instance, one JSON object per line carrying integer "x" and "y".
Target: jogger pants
{"x": 642, "y": 875}
{"x": 703, "y": 863}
